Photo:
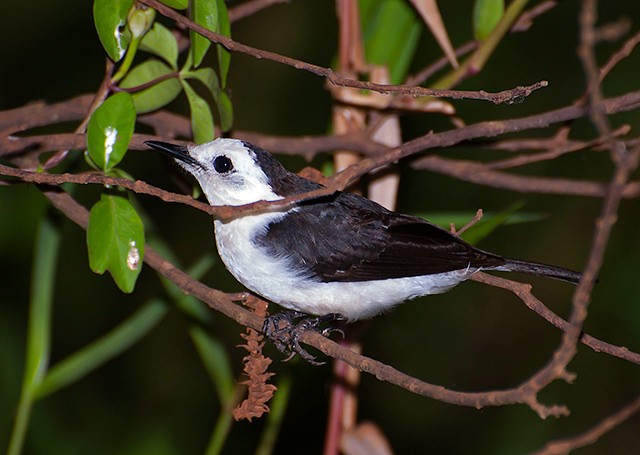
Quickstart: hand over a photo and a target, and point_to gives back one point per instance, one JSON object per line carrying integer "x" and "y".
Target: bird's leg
{"x": 285, "y": 328}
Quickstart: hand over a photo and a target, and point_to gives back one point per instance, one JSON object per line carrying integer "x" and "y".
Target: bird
{"x": 338, "y": 256}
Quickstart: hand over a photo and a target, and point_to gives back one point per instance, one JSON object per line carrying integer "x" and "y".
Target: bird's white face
{"x": 228, "y": 173}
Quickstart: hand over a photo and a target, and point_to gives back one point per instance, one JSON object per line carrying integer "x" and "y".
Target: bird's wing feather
{"x": 350, "y": 238}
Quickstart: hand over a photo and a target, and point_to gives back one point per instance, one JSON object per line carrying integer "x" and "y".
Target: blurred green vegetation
{"x": 157, "y": 397}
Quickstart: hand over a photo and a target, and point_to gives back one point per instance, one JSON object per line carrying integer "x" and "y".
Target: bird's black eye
{"x": 222, "y": 164}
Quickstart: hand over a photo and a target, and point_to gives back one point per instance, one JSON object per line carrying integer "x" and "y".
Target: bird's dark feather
{"x": 350, "y": 238}
{"x": 282, "y": 181}
{"x": 346, "y": 237}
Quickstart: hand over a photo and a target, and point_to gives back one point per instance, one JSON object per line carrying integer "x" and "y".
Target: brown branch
{"x": 557, "y": 147}
{"x": 42, "y": 114}
{"x": 100, "y": 95}
{"x": 505, "y": 96}
{"x": 563, "y": 446}
{"x": 425, "y": 73}
{"x": 476, "y": 218}
{"x": 223, "y": 303}
{"x": 475, "y": 172}
{"x": 556, "y": 368}
{"x": 136, "y": 186}
{"x": 468, "y": 170}
{"x": 15, "y": 145}
{"x": 618, "y": 56}
{"x": 148, "y": 84}
{"x": 523, "y": 292}
{"x": 465, "y": 170}
{"x": 586, "y": 52}
{"x": 525, "y": 20}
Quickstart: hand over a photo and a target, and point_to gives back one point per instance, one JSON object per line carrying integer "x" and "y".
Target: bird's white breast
{"x": 275, "y": 279}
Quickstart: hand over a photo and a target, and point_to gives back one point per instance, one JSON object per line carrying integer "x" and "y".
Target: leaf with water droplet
{"x": 110, "y": 129}
{"x": 115, "y": 240}
{"x": 109, "y": 17}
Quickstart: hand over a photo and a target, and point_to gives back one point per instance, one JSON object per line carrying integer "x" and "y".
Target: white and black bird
{"x": 339, "y": 254}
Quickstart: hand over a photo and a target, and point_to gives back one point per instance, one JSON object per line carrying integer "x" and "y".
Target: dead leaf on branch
{"x": 256, "y": 366}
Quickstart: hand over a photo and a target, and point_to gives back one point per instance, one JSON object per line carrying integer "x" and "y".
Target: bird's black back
{"x": 349, "y": 238}
{"x": 346, "y": 237}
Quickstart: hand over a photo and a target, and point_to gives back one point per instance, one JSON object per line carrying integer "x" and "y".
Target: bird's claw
{"x": 285, "y": 328}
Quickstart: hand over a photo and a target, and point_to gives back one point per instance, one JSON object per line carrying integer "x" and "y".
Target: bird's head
{"x": 229, "y": 171}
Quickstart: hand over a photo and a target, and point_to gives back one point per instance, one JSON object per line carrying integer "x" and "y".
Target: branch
{"x": 563, "y": 446}
{"x": 588, "y": 17}
{"x": 136, "y": 186}
{"x": 42, "y": 114}
{"x": 523, "y": 292}
{"x": 507, "y": 96}
{"x": 475, "y": 172}
{"x": 223, "y": 303}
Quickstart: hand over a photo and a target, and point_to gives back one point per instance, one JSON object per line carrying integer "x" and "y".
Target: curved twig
{"x": 222, "y": 302}
{"x": 505, "y": 96}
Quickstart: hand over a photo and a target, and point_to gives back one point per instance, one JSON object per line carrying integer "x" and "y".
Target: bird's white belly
{"x": 273, "y": 278}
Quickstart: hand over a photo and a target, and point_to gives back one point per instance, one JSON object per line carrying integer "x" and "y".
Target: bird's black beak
{"x": 178, "y": 152}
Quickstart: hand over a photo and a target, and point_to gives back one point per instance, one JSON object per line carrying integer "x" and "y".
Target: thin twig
{"x": 477, "y": 217}
{"x": 505, "y": 96}
{"x": 586, "y": 52}
{"x": 591, "y": 436}
{"x": 523, "y": 292}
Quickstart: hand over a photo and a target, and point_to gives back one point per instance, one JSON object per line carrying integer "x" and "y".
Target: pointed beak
{"x": 177, "y": 152}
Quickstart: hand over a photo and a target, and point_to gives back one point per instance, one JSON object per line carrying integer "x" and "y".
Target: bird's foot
{"x": 285, "y": 328}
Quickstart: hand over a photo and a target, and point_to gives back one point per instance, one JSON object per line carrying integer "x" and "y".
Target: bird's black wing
{"x": 350, "y": 238}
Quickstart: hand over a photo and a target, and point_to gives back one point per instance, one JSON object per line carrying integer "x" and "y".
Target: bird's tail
{"x": 534, "y": 268}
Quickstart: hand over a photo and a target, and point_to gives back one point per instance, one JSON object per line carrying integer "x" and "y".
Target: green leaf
{"x": 215, "y": 359}
{"x": 201, "y": 117}
{"x": 391, "y": 30}
{"x": 177, "y": 4}
{"x": 161, "y": 42}
{"x": 90, "y": 357}
{"x": 193, "y": 307}
{"x": 42, "y": 285}
{"x": 485, "y": 227}
{"x": 277, "y": 413}
{"x": 209, "y": 79}
{"x": 224, "y": 56}
{"x": 206, "y": 14}
{"x": 156, "y": 96}
{"x": 486, "y": 15}
{"x": 225, "y": 110}
{"x": 110, "y": 129}
{"x": 39, "y": 329}
{"x": 109, "y": 17}
{"x": 489, "y": 223}
{"x": 115, "y": 239}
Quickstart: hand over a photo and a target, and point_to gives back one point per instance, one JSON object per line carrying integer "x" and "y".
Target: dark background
{"x": 157, "y": 398}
